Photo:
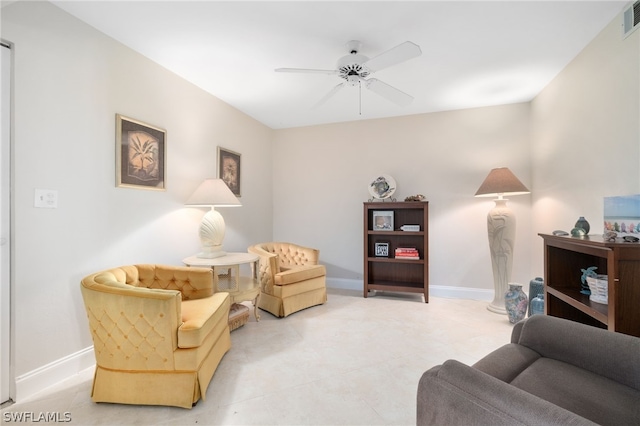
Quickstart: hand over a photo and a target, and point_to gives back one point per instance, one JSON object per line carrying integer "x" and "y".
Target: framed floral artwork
{"x": 140, "y": 154}
{"x": 229, "y": 169}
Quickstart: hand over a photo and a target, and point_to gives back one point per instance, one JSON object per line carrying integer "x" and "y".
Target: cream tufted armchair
{"x": 290, "y": 278}
{"x": 159, "y": 333}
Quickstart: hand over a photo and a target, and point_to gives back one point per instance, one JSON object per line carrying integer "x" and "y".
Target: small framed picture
{"x": 229, "y": 169}
{"x": 382, "y": 249}
{"x": 140, "y": 154}
{"x": 383, "y": 220}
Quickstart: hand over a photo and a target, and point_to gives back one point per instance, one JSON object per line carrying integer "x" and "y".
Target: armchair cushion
{"x": 199, "y": 317}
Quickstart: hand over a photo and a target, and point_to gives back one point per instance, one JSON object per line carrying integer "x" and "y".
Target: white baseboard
{"x": 434, "y": 290}
{"x": 29, "y": 384}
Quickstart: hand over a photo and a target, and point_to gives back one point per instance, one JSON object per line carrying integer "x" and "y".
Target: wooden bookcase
{"x": 565, "y": 257}
{"x": 387, "y": 273}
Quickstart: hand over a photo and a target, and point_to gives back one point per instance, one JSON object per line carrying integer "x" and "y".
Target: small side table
{"x": 226, "y": 276}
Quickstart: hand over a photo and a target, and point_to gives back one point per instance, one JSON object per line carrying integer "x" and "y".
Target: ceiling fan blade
{"x": 389, "y": 92}
{"x": 304, "y": 70}
{"x": 400, "y": 53}
{"x": 328, "y": 95}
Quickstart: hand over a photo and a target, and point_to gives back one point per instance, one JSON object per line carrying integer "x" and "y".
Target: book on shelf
{"x": 407, "y": 253}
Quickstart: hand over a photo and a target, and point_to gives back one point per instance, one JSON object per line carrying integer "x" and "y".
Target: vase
{"x": 537, "y": 305}
{"x": 582, "y": 223}
{"x": 516, "y": 303}
{"x": 536, "y": 286}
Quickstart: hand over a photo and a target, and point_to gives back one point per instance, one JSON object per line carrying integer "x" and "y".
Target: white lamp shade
{"x": 213, "y": 192}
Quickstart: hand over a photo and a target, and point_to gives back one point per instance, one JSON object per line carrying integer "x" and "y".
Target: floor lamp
{"x": 212, "y": 193}
{"x": 501, "y": 224}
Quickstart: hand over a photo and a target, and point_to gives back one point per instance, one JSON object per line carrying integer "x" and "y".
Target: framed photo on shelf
{"x": 383, "y": 220}
{"x": 140, "y": 154}
{"x": 382, "y": 249}
{"x": 229, "y": 169}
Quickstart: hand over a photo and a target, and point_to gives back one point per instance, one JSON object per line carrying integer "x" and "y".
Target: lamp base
{"x": 211, "y": 235}
{"x": 211, "y": 253}
{"x": 493, "y": 307}
{"x": 501, "y": 226}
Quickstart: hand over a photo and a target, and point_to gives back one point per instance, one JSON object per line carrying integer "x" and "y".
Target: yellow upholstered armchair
{"x": 159, "y": 333}
{"x": 290, "y": 278}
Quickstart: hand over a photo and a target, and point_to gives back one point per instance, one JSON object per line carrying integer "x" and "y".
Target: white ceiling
{"x": 476, "y": 53}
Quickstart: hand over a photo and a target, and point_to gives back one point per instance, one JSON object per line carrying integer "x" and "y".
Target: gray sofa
{"x": 554, "y": 372}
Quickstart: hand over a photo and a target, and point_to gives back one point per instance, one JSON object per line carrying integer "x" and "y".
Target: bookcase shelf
{"x": 386, "y": 272}
{"x": 565, "y": 257}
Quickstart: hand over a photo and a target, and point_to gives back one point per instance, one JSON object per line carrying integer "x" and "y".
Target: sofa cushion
{"x": 456, "y": 394}
{"x": 580, "y": 391}
{"x": 199, "y": 318}
{"x": 300, "y": 273}
{"x": 566, "y": 341}
{"x": 507, "y": 362}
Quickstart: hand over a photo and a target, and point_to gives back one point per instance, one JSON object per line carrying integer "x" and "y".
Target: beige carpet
{"x": 352, "y": 361}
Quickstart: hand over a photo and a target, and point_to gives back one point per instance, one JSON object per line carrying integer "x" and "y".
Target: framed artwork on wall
{"x": 229, "y": 169}
{"x": 383, "y": 220}
{"x": 140, "y": 154}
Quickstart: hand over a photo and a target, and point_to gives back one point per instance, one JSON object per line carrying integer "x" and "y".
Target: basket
{"x": 599, "y": 286}
{"x": 238, "y": 316}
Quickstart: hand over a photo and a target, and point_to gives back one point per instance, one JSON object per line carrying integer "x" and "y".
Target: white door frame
{"x": 7, "y": 386}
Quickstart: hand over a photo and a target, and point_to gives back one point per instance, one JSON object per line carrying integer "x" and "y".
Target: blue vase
{"x": 537, "y": 305}
{"x": 536, "y": 287}
{"x": 516, "y": 303}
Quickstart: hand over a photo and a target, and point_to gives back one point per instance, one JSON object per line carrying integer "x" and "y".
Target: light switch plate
{"x": 46, "y": 199}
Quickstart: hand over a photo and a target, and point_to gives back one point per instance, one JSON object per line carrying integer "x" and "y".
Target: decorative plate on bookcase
{"x": 382, "y": 187}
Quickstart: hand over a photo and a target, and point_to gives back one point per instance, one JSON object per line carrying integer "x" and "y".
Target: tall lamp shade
{"x": 212, "y": 193}
{"x": 501, "y": 226}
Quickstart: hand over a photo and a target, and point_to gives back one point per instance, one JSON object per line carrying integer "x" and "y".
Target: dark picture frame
{"x": 229, "y": 169}
{"x": 140, "y": 154}
{"x": 382, "y": 249}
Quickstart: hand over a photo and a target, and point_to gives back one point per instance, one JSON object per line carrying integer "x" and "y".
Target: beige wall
{"x": 586, "y": 138}
{"x": 444, "y": 156}
{"x": 70, "y": 81}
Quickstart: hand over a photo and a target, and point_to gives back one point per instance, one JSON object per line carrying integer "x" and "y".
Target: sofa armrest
{"x": 456, "y": 394}
{"x": 609, "y": 354}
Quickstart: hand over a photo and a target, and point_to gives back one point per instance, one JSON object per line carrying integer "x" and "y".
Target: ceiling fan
{"x": 354, "y": 68}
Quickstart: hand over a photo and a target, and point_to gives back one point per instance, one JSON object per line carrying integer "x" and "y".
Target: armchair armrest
{"x": 454, "y": 393}
{"x": 268, "y": 267}
{"x": 300, "y": 273}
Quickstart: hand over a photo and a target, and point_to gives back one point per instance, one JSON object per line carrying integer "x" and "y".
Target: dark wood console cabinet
{"x": 565, "y": 257}
{"x": 386, "y": 272}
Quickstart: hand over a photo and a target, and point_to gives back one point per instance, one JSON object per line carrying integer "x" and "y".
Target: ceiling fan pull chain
{"x": 359, "y": 97}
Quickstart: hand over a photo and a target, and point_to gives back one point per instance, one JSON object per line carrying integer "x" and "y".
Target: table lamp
{"x": 212, "y": 193}
{"x": 501, "y": 224}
